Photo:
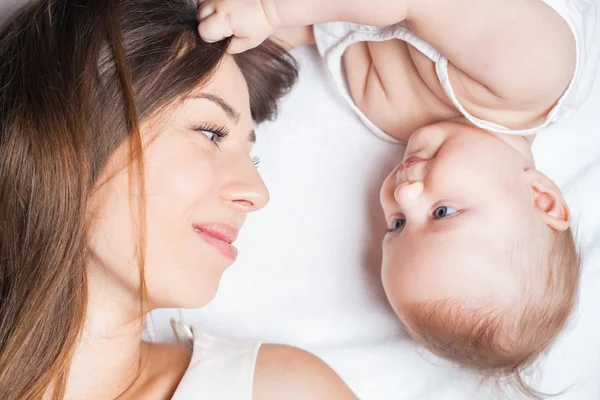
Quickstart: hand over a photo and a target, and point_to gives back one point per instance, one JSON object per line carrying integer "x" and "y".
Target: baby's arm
{"x": 250, "y": 22}
{"x": 509, "y": 60}
{"x": 504, "y": 55}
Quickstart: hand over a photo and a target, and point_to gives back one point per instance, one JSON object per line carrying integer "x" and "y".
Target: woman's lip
{"x": 224, "y": 232}
{"x": 219, "y": 236}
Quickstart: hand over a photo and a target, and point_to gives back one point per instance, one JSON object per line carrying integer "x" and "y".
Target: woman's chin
{"x": 188, "y": 296}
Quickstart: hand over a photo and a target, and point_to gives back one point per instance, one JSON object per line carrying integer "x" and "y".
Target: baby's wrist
{"x": 295, "y": 13}
{"x": 271, "y": 10}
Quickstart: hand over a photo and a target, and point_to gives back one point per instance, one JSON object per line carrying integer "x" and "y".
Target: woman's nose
{"x": 243, "y": 188}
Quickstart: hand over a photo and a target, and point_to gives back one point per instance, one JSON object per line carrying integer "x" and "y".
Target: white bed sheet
{"x": 308, "y": 270}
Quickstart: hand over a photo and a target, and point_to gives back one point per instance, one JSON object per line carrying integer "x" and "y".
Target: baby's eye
{"x": 397, "y": 224}
{"x": 443, "y": 212}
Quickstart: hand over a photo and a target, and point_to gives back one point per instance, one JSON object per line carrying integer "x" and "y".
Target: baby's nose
{"x": 408, "y": 192}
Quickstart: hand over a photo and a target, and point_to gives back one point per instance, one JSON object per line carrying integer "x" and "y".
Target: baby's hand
{"x": 248, "y": 22}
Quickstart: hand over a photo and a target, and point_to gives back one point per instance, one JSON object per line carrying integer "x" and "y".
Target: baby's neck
{"x": 521, "y": 144}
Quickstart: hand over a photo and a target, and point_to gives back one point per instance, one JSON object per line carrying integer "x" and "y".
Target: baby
{"x": 479, "y": 260}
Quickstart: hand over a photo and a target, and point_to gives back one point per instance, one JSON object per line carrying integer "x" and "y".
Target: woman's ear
{"x": 549, "y": 201}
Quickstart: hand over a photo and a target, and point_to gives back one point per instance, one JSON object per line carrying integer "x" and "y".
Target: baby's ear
{"x": 549, "y": 200}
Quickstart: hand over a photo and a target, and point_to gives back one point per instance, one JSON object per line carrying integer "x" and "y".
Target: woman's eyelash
{"x": 219, "y": 132}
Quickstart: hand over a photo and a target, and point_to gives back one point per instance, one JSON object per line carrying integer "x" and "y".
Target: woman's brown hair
{"x": 76, "y": 79}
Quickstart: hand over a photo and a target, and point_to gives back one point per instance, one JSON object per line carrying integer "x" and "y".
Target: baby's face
{"x": 456, "y": 208}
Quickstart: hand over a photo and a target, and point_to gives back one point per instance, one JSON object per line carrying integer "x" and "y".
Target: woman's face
{"x": 200, "y": 184}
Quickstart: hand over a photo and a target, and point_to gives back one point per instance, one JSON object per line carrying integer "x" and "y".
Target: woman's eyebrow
{"x": 226, "y": 107}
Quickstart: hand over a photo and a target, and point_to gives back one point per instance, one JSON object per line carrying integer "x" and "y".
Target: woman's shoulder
{"x": 291, "y": 373}
{"x": 223, "y": 368}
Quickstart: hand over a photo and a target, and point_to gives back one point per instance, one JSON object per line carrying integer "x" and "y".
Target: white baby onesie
{"x": 335, "y": 37}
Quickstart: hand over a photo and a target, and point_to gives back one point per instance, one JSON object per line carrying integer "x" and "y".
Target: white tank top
{"x": 220, "y": 369}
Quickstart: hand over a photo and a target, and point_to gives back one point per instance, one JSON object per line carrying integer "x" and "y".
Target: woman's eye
{"x": 215, "y": 134}
{"x": 398, "y": 223}
{"x": 210, "y": 135}
{"x": 443, "y": 212}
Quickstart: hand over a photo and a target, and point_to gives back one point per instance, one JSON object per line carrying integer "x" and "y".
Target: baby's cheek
{"x": 392, "y": 279}
{"x": 386, "y": 194}
{"x": 405, "y": 281}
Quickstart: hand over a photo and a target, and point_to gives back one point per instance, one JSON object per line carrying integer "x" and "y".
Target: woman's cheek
{"x": 185, "y": 172}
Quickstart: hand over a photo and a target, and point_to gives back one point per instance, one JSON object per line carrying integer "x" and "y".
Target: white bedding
{"x": 308, "y": 270}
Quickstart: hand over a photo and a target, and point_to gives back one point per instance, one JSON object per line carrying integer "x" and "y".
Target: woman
{"x": 124, "y": 178}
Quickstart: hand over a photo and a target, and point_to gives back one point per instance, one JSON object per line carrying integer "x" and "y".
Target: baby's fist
{"x": 248, "y": 22}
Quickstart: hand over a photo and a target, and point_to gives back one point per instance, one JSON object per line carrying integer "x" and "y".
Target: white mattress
{"x": 308, "y": 270}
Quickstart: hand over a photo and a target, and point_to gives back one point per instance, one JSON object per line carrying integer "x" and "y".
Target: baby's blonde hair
{"x": 502, "y": 344}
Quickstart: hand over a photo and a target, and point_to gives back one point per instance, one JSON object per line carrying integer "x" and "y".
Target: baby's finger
{"x": 214, "y": 29}
{"x": 205, "y": 9}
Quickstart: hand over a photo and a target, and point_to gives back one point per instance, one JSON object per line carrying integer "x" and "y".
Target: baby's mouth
{"x": 410, "y": 161}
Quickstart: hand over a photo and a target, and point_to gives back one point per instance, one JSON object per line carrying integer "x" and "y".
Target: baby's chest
{"x": 399, "y": 90}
